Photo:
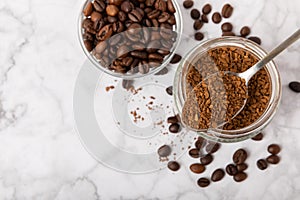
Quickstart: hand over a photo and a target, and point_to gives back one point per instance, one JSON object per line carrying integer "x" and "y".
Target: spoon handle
{"x": 277, "y": 50}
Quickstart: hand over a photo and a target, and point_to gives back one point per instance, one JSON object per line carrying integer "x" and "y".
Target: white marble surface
{"x": 41, "y": 156}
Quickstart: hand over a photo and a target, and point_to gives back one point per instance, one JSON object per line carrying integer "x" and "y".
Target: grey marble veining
{"x": 41, "y": 156}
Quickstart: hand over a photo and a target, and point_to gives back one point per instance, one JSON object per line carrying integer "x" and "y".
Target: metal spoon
{"x": 247, "y": 75}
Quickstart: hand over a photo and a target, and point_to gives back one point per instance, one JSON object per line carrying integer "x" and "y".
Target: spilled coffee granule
{"x": 214, "y": 101}
{"x": 235, "y": 59}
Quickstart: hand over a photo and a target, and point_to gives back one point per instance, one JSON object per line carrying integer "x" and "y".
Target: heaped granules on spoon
{"x": 227, "y": 58}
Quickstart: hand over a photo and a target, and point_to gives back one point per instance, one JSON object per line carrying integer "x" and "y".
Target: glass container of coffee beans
{"x": 130, "y": 38}
{"x": 194, "y": 103}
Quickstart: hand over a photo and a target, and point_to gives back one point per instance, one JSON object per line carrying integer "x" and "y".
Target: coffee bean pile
{"x": 227, "y": 27}
{"x": 225, "y": 58}
{"x": 139, "y": 48}
{"x": 273, "y": 149}
{"x": 214, "y": 101}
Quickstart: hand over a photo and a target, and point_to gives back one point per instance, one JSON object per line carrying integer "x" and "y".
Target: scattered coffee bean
{"x": 231, "y": 169}
{"x": 245, "y": 31}
{"x": 228, "y": 33}
{"x": 226, "y": 27}
{"x": 239, "y": 156}
{"x": 240, "y": 176}
{"x": 200, "y": 143}
{"x": 217, "y": 175}
{"x": 262, "y": 164}
{"x": 164, "y": 151}
{"x": 203, "y": 182}
{"x": 204, "y": 18}
{"x": 188, "y": 4}
{"x": 273, "y": 159}
{"x": 206, "y": 9}
{"x": 172, "y": 119}
{"x": 212, "y": 147}
{"x": 194, "y": 153}
{"x": 207, "y": 159}
{"x": 255, "y": 39}
{"x": 173, "y": 165}
{"x": 175, "y": 59}
{"x": 169, "y": 90}
{"x": 227, "y": 10}
{"x": 199, "y": 36}
{"x": 274, "y": 149}
{"x": 198, "y": 24}
{"x": 295, "y": 86}
{"x": 241, "y": 167}
{"x": 258, "y": 137}
{"x": 195, "y": 14}
{"x": 174, "y": 128}
{"x": 216, "y": 17}
{"x": 197, "y": 168}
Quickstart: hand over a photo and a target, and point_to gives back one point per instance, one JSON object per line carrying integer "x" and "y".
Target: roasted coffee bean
{"x": 258, "y": 137}
{"x": 166, "y": 34}
{"x": 197, "y": 168}
{"x": 88, "y": 25}
{"x": 127, "y": 61}
{"x": 212, "y": 147}
{"x": 206, "y": 9}
{"x": 227, "y": 10}
{"x": 99, "y": 5}
{"x": 122, "y": 16}
{"x": 123, "y": 51}
{"x": 126, "y": 6}
{"x": 194, "y": 153}
{"x": 207, "y": 159}
{"x": 197, "y": 24}
{"x": 88, "y": 45}
{"x": 88, "y": 9}
{"x": 200, "y": 143}
{"x": 172, "y": 20}
{"x": 239, "y": 156}
{"x": 245, "y": 31}
{"x": 115, "y": 2}
{"x": 226, "y": 27}
{"x": 228, "y": 33}
{"x": 127, "y": 84}
{"x": 217, "y": 175}
{"x": 143, "y": 68}
{"x": 163, "y": 17}
{"x": 160, "y": 5}
{"x": 188, "y": 4}
{"x": 255, "y": 39}
{"x": 135, "y": 16}
{"x": 174, "y": 128}
{"x": 216, "y": 17}
{"x": 175, "y": 59}
{"x": 199, "y": 36}
{"x": 195, "y": 14}
{"x": 172, "y": 119}
{"x": 153, "y": 46}
{"x": 274, "y": 149}
{"x": 167, "y": 26}
{"x": 273, "y": 159}
{"x": 118, "y": 27}
{"x": 231, "y": 169}
{"x": 295, "y": 86}
{"x": 240, "y": 176}
{"x": 149, "y": 3}
{"x": 153, "y": 14}
{"x": 241, "y": 167}
{"x": 138, "y": 46}
{"x": 163, "y": 71}
{"x": 99, "y": 24}
{"x": 88, "y": 36}
{"x": 203, "y": 182}
{"x": 105, "y": 32}
{"x": 169, "y": 90}
{"x": 173, "y": 165}
{"x": 133, "y": 66}
{"x": 101, "y": 46}
{"x": 163, "y": 52}
{"x": 139, "y": 54}
{"x": 262, "y": 164}
{"x": 112, "y": 10}
{"x": 155, "y": 57}
{"x": 164, "y": 151}
{"x": 204, "y": 18}
{"x": 96, "y": 16}
{"x": 170, "y": 6}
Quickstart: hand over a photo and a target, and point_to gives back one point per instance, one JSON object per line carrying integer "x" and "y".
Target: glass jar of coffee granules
{"x": 229, "y": 54}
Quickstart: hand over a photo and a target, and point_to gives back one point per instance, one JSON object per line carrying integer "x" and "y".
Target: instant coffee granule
{"x": 235, "y": 59}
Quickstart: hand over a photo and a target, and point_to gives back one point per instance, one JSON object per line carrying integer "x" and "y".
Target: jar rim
{"x": 93, "y": 60}
{"x": 254, "y": 128}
